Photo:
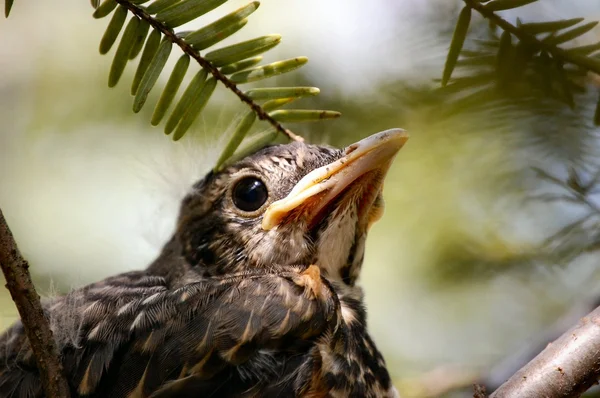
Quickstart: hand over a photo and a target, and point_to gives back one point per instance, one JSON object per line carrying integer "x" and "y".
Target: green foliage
{"x": 187, "y": 99}
{"x": 458, "y": 40}
{"x": 265, "y": 71}
{"x": 123, "y": 51}
{"x": 240, "y": 51}
{"x": 104, "y": 9}
{"x": 500, "y": 5}
{"x": 151, "y": 75}
{"x": 7, "y": 6}
{"x": 579, "y": 190}
{"x": 171, "y": 88}
{"x": 240, "y": 132}
{"x": 238, "y": 61}
{"x": 222, "y": 28}
{"x": 114, "y": 28}
{"x": 238, "y": 66}
{"x": 518, "y": 62}
{"x": 148, "y": 54}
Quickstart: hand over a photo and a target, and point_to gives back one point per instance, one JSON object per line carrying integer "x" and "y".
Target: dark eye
{"x": 249, "y": 194}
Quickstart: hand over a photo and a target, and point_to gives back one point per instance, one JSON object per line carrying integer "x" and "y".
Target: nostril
{"x": 351, "y": 149}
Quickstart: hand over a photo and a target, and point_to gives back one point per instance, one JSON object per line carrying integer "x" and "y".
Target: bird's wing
{"x": 131, "y": 335}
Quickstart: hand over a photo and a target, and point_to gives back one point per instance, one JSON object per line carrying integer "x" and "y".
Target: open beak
{"x": 358, "y": 174}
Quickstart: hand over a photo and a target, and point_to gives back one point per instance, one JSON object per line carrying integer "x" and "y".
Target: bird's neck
{"x": 170, "y": 264}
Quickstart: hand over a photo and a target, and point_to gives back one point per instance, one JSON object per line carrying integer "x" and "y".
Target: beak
{"x": 361, "y": 169}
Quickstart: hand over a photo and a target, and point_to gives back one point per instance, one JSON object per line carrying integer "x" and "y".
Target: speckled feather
{"x": 227, "y": 309}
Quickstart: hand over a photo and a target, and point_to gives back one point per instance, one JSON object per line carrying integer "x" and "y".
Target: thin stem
{"x": 37, "y": 329}
{"x": 525, "y": 37}
{"x": 189, "y": 50}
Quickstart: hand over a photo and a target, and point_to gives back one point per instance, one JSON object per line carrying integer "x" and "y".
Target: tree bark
{"x": 22, "y": 291}
{"x": 567, "y": 367}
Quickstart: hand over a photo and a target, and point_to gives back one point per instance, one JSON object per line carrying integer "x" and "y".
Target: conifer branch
{"x": 524, "y": 36}
{"x": 217, "y": 74}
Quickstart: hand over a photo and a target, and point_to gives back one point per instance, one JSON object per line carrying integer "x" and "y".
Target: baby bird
{"x": 254, "y": 295}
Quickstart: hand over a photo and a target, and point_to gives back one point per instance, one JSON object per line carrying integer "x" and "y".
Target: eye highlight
{"x": 249, "y": 194}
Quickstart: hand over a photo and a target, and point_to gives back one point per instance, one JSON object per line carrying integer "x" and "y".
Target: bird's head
{"x": 289, "y": 204}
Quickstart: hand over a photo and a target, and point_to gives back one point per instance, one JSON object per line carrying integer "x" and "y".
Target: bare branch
{"x": 566, "y": 368}
{"x": 22, "y": 291}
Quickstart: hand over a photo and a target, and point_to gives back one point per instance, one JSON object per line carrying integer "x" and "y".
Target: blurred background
{"x": 489, "y": 237}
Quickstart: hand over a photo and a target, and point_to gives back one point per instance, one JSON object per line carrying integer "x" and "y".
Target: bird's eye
{"x": 249, "y": 194}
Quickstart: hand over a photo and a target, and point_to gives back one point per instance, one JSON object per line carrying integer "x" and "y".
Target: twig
{"x": 503, "y": 370}
{"x": 37, "y": 329}
{"x": 189, "y": 50}
{"x": 557, "y": 52}
{"x": 566, "y": 368}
